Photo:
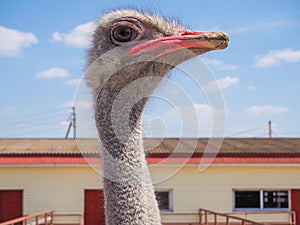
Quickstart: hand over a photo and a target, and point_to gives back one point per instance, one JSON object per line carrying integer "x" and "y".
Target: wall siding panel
{"x": 62, "y": 188}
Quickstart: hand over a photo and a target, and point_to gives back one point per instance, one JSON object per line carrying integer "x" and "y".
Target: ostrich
{"x": 132, "y": 51}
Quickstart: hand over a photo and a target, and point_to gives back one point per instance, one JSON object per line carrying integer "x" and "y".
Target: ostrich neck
{"x": 129, "y": 194}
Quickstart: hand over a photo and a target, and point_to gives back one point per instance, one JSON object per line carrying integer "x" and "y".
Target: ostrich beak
{"x": 198, "y": 42}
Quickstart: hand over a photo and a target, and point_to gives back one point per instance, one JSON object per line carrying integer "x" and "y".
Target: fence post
{"x": 46, "y": 218}
{"x": 51, "y": 217}
{"x": 37, "y": 220}
{"x": 293, "y": 215}
{"x": 206, "y": 218}
{"x": 200, "y": 216}
{"x": 227, "y": 220}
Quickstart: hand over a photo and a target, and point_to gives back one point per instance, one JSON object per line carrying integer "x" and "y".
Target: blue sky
{"x": 43, "y": 47}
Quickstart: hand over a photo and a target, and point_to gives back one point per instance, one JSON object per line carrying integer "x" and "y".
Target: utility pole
{"x": 74, "y": 121}
{"x": 72, "y": 124}
{"x": 68, "y": 131}
{"x": 270, "y": 129}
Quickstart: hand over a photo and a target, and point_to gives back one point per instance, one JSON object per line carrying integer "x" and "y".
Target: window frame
{"x": 170, "y": 198}
{"x": 261, "y": 200}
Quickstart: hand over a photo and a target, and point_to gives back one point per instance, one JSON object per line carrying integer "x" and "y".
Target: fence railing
{"x": 290, "y": 214}
{"x": 211, "y": 217}
{"x": 45, "y": 218}
{"x": 208, "y": 217}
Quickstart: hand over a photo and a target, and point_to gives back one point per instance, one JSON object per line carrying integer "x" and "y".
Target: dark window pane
{"x": 247, "y": 199}
{"x": 276, "y": 199}
{"x": 162, "y": 198}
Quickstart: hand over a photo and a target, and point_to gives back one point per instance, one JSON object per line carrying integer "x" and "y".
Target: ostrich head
{"x": 131, "y": 53}
{"x": 149, "y": 43}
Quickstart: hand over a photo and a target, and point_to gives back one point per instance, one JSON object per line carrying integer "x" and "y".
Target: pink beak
{"x": 184, "y": 39}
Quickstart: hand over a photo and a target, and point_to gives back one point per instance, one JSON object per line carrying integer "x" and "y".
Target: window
{"x": 261, "y": 199}
{"x": 247, "y": 199}
{"x": 164, "y": 199}
{"x": 276, "y": 199}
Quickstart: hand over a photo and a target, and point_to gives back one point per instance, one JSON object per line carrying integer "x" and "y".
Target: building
{"x": 253, "y": 178}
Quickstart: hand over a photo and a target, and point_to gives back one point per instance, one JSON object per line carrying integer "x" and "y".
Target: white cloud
{"x": 80, "y": 36}
{"x": 190, "y": 119}
{"x": 222, "y": 83}
{"x": 257, "y": 110}
{"x": 11, "y": 110}
{"x": 227, "y": 82}
{"x": 277, "y": 57}
{"x": 185, "y": 121}
{"x": 73, "y": 82}
{"x": 12, "y": 41}
{"x": 68, "y": 104}
{"x": 84, "y": 105}
{"x": 56, "y": 37}
{"x": 64, "y": 123}
{"x": 219, "y": 64}
{"x": 262, "y": 26}
{"x": 251, "y": 88}
{"x": 80, "y": 104}
{"x": 238, "y": 30}
{"x": 203, "y": 111}
{"x": 54, "y": 72}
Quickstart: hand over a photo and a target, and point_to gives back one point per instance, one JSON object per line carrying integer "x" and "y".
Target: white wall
{"x": 62, "y": 188}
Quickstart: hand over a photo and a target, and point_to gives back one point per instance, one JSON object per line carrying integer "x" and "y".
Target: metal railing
{"x": 208, "y": 217}
{"x": 42, "y": 218}
{"x": 290, "y": 214}
{"x": 205, "y": 218}
{"x": 45, "y": 218}
{"x": 211, "y": 217}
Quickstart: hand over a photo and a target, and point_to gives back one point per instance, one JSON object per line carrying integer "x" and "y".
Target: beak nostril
{"x": 184, "y": 32}
{"x": 189, "y": 32}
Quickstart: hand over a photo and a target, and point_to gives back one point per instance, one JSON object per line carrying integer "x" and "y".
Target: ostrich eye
{"x": 126, "y": 30}
{"x": 124, "y": 34}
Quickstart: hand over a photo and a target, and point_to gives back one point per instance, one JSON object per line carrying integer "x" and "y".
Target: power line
{"x": 34, "y": 123}
{"x": 34, "y": 117}
{"x": 45, "y": 122}
{"x": 34, "y": 131}
{"x": 37, "y": 114}
{"x": 246, "y": 131}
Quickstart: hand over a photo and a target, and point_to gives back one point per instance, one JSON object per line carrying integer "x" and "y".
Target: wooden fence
{"x": 45, "y": 218}
{"x": 206, "y": 217}
{"x": 210, "y": 217}
{"x": 42, "y": 218}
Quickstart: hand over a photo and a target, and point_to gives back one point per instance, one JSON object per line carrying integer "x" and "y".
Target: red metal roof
{"x": 166, "y": 151}
{"x": 154, "y": 145}
{"x": 254, "y": 159}
{"x": 43, "y": 160}
{"x": 194, "y": 160}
